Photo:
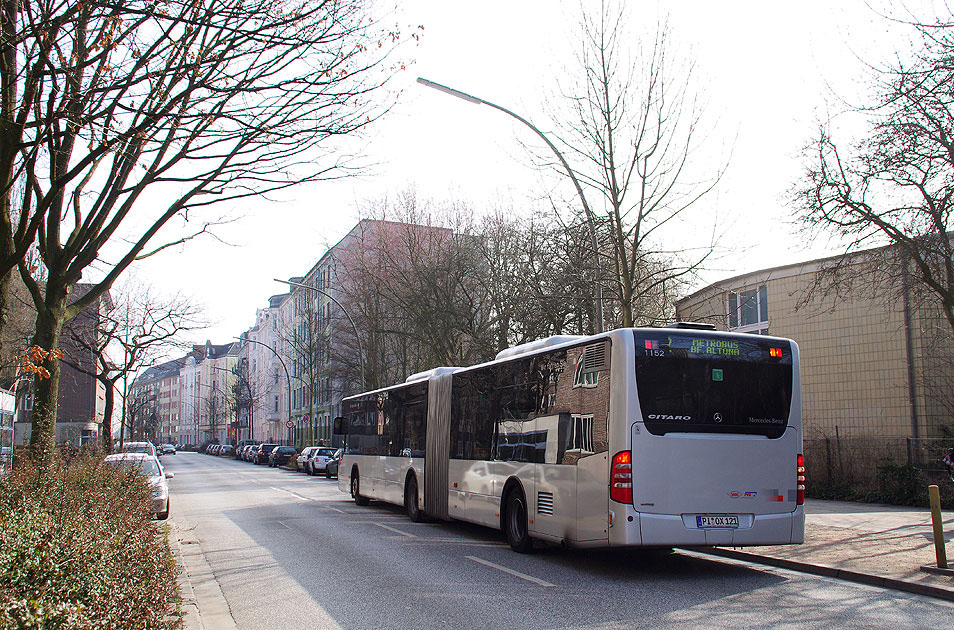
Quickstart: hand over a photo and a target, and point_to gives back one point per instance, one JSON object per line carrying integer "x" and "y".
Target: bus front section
{"x": 714, "y": 441}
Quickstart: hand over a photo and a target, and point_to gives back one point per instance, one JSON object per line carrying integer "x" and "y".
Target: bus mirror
{"x": 339, "y": 426}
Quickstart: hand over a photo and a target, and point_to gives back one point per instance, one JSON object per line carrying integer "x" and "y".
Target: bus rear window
{"x": 713, "y": 383}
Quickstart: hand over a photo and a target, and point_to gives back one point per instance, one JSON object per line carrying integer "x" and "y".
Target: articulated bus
{"x": 662, "y": 437}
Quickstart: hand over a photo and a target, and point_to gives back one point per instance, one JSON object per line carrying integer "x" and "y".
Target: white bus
{"x": 674, "y": 436}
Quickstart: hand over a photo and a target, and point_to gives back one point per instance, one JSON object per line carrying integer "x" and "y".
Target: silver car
{"x": 140, "y": 447}
{"x": 155, "y": 475}
{"x": 303, "y": 463}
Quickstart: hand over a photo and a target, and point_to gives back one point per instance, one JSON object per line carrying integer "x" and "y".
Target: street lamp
{"x": 284, "y": 367}
{"x": 213, "y": 405}
{"x": 343, "y": 310}
{"x": 248, "y": 387}
{"x": 566, "y": 167}
{"x": 193, "y": 421}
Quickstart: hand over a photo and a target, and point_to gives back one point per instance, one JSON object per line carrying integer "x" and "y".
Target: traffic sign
{"x": 304, "y": 419}
{"x": 290, "y": 424}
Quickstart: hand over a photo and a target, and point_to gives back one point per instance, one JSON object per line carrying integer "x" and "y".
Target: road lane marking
{"x": 294, "y": 494}
{"x": 395, "y": 530}
{"x": 522, "y": 576}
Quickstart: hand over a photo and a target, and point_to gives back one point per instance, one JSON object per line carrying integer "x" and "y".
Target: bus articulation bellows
{"x": 676, "y": 436}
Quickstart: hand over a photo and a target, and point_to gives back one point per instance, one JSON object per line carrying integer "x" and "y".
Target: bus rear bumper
{"x": 679, "y": 530}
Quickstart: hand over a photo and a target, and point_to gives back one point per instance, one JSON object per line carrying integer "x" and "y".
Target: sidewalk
{"x": 874, "y": 544}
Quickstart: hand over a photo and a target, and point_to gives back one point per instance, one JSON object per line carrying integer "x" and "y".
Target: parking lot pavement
{"x": 875, "y": 544}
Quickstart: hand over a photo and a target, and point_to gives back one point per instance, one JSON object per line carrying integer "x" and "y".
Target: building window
{"x": 582, "y": 438}
{"x": 747, "y": 311}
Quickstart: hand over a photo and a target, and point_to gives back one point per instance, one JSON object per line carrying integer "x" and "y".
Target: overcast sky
{"x": 770, "y": 71}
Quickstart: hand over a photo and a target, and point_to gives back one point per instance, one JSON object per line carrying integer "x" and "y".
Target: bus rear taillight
{"x": 800, "y": 480}
{"x": 621, "y": 478}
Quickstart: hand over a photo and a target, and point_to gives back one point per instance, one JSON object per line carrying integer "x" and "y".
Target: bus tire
{"x": 410, "y": 499}
{"x": 356, "y": 489}
{"x": 515, "y": 522}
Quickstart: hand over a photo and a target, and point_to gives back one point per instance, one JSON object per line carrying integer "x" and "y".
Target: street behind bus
{"x": 269, "y": 547}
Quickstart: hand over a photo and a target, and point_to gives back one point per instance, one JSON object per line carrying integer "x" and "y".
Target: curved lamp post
{"x": 284, "y": 367}
{"x": 566, "y": 167}
{"x": 343, "y": 310}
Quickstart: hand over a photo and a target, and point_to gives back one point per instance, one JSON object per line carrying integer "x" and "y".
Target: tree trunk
{"x": 49, "y": 326}
{"x": 107, "y": 429}
{"x": 5, "y": 282}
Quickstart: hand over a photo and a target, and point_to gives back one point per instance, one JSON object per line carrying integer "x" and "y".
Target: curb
{"x": 187, "y": 605}
{"x": 933, "y": 568}
{"x": 917, "y": 588}
{"x": 198, "y": 585}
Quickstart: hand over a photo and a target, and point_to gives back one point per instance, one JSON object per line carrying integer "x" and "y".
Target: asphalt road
{"x": 288, "y": 550}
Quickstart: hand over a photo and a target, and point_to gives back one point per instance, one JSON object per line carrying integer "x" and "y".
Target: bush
{"x": 80, "y": 550}
{"x": 900, "y": 485}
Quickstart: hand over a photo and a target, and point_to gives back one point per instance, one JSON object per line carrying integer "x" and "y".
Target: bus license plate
{"x": 727, "y": 522}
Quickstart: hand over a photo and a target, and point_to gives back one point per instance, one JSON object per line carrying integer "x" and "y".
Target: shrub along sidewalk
{"x": 80, "y": 550}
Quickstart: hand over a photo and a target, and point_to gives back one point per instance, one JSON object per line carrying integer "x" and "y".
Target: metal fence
{"x": 853, "y": 462}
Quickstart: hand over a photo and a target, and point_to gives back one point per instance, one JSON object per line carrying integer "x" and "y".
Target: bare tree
{"x": 246, "y": 396}
{"x": 408, "y": 278}
{"x": 896, "y": 185}
{"x": 140, "y": 327}
{"x": 305, "y": 339}
{"x": 205, "y": 102}
{"x": 428, "y": 286}
{"x": 633, "y": 125}
{"x": 530, "y": 270}
{"x": 143, "y": 414}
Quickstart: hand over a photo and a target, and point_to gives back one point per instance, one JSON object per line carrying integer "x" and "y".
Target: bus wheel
{"x": 356, "y": 489}
{"x": 515, "y": 523}
{"x": 410, "y": 500}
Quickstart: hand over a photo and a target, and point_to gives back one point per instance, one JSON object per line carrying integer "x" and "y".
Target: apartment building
{"x": 81, "y": 398}
{"x": 155, "y": 397}
{"x": 264, "y": 379}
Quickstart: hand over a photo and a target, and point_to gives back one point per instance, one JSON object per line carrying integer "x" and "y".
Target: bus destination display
{"x": 712, "y": 347}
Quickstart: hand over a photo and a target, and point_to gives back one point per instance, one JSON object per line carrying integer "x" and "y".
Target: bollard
{"x": 939, "y": 549}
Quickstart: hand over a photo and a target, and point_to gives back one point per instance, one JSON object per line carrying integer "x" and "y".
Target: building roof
{"x": 782, "y": 271}
{"x": 159, "y": 372}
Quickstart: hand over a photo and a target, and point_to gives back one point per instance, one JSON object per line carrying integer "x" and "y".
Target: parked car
{"x": 6, "y": 458}
{"x": 303, "y": 464}
{"x": 156, "y": 477}
{"x": 261, "y": 457}
{"x": 225, "y": 450}
{"x": 320, "y": 459}
{"x": 140, "y": 447}
{"x": 279, "y": 456}
{"x": 242, "y": 446}
{"x": 250, "y": 449}
{"x": 331, "y": 467}
{"x": 167, "y": 449}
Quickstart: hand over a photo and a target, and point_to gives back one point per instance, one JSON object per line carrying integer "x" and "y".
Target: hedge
{"x": 81, "y": 550}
